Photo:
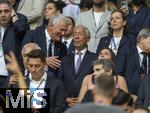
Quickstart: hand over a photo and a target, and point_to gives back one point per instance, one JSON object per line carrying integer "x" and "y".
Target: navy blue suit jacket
{"x": 38, "y": 36}
{"x": 67, "y": 74}
{"x": 143, "y": 98}
{"x": 138, "y": 21}
{"x": 57, "y": 94}
{"x": 105, "y": 42}
{"x": 13, "y": 37}
{"x": 71, "y": 48}
{"x": 128, "y": 65}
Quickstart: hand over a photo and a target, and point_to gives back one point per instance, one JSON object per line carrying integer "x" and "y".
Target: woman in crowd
{"x": 117, "y": 39}
{"x": 87, "y": 83}
{"x": 52, "y": 7}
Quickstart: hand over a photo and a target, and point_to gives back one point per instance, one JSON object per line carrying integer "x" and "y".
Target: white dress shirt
{"x": 3, "y": 69}
{"x": 140, "y": 55}
{"x": 77, "y": 56}
{"x": 68, "y": 41}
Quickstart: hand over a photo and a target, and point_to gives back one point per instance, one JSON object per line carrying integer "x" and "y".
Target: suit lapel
{"x": 136, "y": 56}
{"x": 71, "y": 47}
{"x": 43, "y": 40}
{"x": 102, "y": 20}
{"x": 72, "y": 63}
{"x": 92, "y": 23}
{"x": 48, "y": 83}
{"x": 20, "y": 4}
{"x": 107, "y": 41}
{"x": 122, "y": 41}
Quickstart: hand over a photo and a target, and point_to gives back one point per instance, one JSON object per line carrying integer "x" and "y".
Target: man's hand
{"x": 72, "y": 101}
{"x": 13, "y": 64}
{"x": 13, "y": 80}
{"x": 14, "y": 16}
{"x": 53, "y": 62}
{"x": 14, "y": 67}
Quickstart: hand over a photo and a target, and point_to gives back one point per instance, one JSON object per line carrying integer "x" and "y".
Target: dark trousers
{"x": 3, "y": 81}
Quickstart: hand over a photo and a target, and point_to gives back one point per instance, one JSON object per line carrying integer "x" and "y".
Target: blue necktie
{"x": 78, "y": 62}
{"x": 50, "y": 48}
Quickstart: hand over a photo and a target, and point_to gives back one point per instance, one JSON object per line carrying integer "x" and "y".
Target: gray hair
{"x": 106, "y": 64}
{"x": 32, "y": 46}
{"x": 55, "y": 19}
{"x": 87, "y": 32}
{"x": 144, "y": 33}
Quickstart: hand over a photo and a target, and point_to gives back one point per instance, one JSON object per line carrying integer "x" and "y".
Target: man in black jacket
{"x": 13, "y": 26}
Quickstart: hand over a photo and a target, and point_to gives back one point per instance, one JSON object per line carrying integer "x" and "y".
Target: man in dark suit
{"x": 38, "y": 79}
{"x": 13, "y": 26}
{"x": 137, "y": 18}
{"x": 132, "y": 63}
{"x": 77, "y": 65}
{"x": 143, "y": 98}
{"x": 68, "y": 39}
{"x": 49, "y": 39}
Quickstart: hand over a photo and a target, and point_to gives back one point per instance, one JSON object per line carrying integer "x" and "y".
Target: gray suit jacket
{"x": 87, "y": 19}
{"x": 33, "y": 10}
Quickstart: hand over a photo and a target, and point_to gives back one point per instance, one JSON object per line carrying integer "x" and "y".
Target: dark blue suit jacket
{"x": 67, "y": 74}
{"x": 143, "y": 98}
{"x": 71, "y": 48}
{"x": 138, "y": 21}
{"x": 105, "y": 42}
{"x": 57, "y": 94}
{"x": 13, "y": 37}
{"x": 128, "y": 65}
{"x": 38, "y": 36}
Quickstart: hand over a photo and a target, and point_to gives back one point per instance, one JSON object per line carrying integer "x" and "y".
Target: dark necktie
{"x": 65, "y": 43}
{"x": 50, "y": 48}
{"x": 144, "y": 68}
{"x": 78, "y": 61}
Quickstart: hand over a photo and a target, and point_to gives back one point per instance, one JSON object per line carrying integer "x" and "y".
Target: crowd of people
{"x": 88, "y": 54}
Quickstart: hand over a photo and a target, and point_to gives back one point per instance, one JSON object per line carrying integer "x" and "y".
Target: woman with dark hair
{"x": 106, "y": 53}
{"x": 107, "y": 66}
{"x": 52, "y": 8}
{"x": 117, "y": 38}
{"x": 122, "y": 100}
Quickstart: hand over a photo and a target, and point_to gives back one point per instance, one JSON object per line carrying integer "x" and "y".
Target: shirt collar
{"x": 44, "y": 78}
{"x": 83, "y": 51}
{"x": 48, "y": 38}
{"x": 68, "y": 40}
{"x": 139, "y": 49}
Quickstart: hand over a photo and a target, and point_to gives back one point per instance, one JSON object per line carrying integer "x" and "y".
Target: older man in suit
{"x": 96, "y": 20}
{"x": 49, "y": 39}
{"x": 13, "y": 27}
{"x": 77, "y": 65}
{"x": 134, "y": 63}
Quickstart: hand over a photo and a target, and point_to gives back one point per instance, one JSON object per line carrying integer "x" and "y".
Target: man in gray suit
{"x": 96, "y": 20}
{"x": 33, "y": 10}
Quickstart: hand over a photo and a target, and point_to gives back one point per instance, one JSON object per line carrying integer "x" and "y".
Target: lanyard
{"x": 114, "y": 46}
{"x": 36, "y": 88}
